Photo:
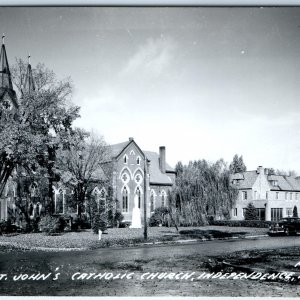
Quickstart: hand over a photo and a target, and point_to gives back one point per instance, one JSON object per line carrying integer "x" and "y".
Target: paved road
{"x": 209, "y": 248}
{"x": 111, "y": 260}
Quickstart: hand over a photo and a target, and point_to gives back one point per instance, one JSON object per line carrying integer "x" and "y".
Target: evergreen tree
{"x": 251, "y": 212}
{"x": 237, "y": 165}
{"x": 99, "y": 215}
{"x": 295, "y": 212}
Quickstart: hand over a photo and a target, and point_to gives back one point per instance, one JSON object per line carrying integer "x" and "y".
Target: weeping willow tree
{"x": 202, "y": 190}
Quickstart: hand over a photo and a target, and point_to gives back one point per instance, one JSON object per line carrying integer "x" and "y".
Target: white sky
{"x": 204, "y": 82}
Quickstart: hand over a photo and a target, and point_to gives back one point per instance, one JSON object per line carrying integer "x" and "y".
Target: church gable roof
{"x": 118, "y": 149}
{"x": 156, "y": 176}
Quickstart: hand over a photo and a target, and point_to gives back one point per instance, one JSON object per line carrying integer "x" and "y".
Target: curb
{"x": 49, "y": 249}
{"x": 202, "y": 240}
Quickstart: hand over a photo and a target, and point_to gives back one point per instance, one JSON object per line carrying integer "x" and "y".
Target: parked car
{"x": 286, "y": 226}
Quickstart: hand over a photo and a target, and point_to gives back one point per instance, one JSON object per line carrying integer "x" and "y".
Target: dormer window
{"x": 275, "y": 182}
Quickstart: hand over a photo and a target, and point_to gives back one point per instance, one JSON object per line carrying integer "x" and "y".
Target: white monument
{"x": 136, "y": 215}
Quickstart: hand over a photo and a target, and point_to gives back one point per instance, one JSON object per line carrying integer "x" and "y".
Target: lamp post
{"x": 146, "y": 170}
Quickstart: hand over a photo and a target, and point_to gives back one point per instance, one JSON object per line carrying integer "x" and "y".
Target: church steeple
{"x": 5, "y": 77}
{"x": 29, "y": 82}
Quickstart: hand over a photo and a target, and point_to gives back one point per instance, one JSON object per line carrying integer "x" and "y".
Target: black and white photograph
{"x": 150, "y": 151}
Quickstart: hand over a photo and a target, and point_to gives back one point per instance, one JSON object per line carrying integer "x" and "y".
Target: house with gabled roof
{"x": 274, "y": 196}
{"x": 137, "y": 172}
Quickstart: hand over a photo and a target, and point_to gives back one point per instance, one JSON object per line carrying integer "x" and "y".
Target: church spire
{"x": 29, "y": 82}
{"x": 5, "y": 78}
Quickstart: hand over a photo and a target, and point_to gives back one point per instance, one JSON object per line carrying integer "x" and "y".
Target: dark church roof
{"x": 29, "y": 85}
{"x": 6, "y": 87}
{"x": 5, "y": 78}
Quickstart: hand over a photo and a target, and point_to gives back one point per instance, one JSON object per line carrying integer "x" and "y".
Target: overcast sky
{"x": 204, "y": 82}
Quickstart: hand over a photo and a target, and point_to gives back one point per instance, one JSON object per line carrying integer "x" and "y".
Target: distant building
{"x": 274, "y": 196}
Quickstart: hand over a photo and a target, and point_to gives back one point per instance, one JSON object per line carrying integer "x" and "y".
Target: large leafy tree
{"x": 237, "y": 165}
{"x": 203, "y": 189}
{"x": 41, "y": 124}
{"x": 84, "y": 163}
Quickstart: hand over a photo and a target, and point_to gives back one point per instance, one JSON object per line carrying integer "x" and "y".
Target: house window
{"x": 275, "y": 182}
{"x": 296, "y": 196}
{"x": 276, "y": 214}
{"x": 244, "y": 193}
{"x": 291, "y": 196}
{"x": 261, "y": 214}
{"x": 163, "y": 198}
{"x": 289, "y": 212}
{"x": 235, "y": 212}
{"x": 125, "y": 199}
{"x": 286, "y": 196}
{"x": 277, "y": 195}
{"x": 138, "y": 160}
{"x": 138, "y": 193}
{"x": 125, "y": 159}
{"x": 152, "y": 202}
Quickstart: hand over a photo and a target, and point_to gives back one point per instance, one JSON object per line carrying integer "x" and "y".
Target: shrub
{"x": 295, "y": 212}
{"x": 159, "y": 217}
{"x": 81, "y": 222}
{"x": 7, "y": 227}
{"x": 98, "y": 222}
{"x": 52, "y": 224}
{"x": 242, "y": 223}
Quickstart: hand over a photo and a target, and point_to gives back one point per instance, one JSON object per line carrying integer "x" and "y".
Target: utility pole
{"x": 146, "y": 170}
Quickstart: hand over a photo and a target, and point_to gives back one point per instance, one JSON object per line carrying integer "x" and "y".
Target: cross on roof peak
{"x": 3, "y": 36}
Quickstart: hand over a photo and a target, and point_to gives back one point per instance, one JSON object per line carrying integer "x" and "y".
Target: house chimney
{"x": 260, "y": 170}
{"x": 130, "y": 139}
{"x": 162, "y": 159}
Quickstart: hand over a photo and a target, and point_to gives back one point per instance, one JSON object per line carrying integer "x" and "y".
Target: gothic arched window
{"x": 125, "y": 199}
{"x": 38, "y": 208}
{"x": 30, "y": 210}
{"x": 59, "y": 202}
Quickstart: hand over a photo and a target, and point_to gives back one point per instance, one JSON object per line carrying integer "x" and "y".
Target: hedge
{"x": 243, "y": 223}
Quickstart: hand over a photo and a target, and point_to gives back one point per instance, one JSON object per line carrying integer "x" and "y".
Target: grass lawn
{"x": 123, "y": 237}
